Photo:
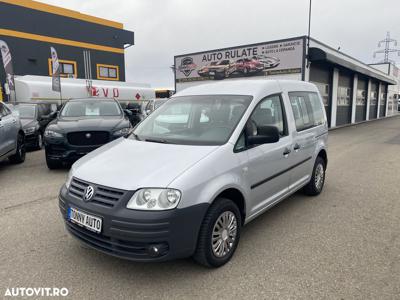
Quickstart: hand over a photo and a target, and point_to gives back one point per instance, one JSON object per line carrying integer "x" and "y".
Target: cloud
{"x": 164, "y": 28}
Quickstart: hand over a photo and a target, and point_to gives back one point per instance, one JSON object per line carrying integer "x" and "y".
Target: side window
{"x": 299, "y": 107}
{"x": 269, "y": 112}
{"x": 307, "y": 110}
{"x": 6, "y": 111}
{"x": 317, "y": 109}
{"x": 2, "y": 111}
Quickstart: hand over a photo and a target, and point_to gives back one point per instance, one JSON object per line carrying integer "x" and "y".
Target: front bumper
{"x": 31, "y": 140}
{"x": 132, "y": 234}
{"x": 59, "y": 149}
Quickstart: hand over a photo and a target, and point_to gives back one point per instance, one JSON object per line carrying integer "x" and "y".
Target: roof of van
{"x": 252, "y": 87}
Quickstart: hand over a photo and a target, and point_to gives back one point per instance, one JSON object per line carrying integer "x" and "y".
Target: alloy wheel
{"x": 224, "y": 234}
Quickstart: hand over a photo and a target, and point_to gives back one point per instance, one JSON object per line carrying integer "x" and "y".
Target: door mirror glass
{"x": 265, "y": 135}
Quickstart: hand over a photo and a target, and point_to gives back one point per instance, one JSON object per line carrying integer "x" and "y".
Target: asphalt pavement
{"x": 344, "y": 244}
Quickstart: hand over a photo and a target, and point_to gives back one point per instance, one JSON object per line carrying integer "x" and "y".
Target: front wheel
{"x": 52, "y": 164}
{"x": 39, "y": 142}
{"x": 317, "y": 181}
{"x": 219, "y": 234}
{"x": 19, "y": 156}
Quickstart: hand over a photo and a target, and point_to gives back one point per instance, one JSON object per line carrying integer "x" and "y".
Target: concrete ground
{"x": 344, "y": 244}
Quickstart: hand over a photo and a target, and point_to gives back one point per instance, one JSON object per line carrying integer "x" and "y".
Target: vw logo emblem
{"x": 89, "y": 192}
{"x": 88, "y": 135}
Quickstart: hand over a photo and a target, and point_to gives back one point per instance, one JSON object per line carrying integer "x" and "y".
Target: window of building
{"x": 107, "y": 72}
{"x": 344, "y": 96}
{"x": 68, "y": 68}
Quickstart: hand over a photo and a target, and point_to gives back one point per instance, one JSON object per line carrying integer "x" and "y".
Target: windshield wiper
{"x": 153, "y": 140}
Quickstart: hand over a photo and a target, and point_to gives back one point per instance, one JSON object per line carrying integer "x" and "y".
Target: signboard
{"x": 270, "y": 58}
{"x": 7, "y": 62}
{"x": 55, "y": 74}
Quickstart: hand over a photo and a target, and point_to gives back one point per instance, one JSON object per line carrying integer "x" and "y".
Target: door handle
{"x": 296, "y": 147}
{"x": 286, "y": 152}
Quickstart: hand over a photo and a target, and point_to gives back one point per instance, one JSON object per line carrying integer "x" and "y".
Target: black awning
{"x": 317, "y": 54}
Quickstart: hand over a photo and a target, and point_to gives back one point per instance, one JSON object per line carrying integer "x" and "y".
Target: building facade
{"x": 352, "y": 91}
{"x": 87, "y": 46}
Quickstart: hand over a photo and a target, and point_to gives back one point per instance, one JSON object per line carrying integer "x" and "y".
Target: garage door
{"x": 373, "y": 101}
{"x": 361, "y": 99}
{"x": 345, "y": 94}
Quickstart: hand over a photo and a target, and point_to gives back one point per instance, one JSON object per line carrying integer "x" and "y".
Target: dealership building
{"x": 352, "y": 91}
{"x": 87, "y": 46}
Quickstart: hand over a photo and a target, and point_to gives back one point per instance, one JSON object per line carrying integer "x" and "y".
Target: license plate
{"x": 85, "y": 220}
{"x": 212, "y": 73}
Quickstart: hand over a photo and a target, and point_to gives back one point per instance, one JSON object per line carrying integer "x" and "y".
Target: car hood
{"x": 129, "y": 164}
{"x": 26, "y": 123}
{"x": 76, "y": 124}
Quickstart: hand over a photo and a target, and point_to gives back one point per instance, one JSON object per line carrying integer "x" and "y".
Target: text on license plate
{"x": 83, "y": 219}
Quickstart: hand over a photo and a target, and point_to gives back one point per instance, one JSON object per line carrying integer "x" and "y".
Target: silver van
{"x": 197, "y": 169}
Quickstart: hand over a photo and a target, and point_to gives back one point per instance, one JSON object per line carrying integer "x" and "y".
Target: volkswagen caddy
{"x": 204, "y": 164}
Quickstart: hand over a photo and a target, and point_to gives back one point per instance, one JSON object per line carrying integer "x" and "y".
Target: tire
{"x": 39, "y": 142}
{"x": 205, "y": 253}
{"x": 53, "y": 164}
{"x": 19, "y": 156}
{"x": 317, "y": 181}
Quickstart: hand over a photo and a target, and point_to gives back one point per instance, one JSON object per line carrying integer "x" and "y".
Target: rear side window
{"x": 307, "y": 110}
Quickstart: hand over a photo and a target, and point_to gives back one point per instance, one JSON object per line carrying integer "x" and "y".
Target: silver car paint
{"x": 201, "y": 173}
{"x": 9, "y": 127}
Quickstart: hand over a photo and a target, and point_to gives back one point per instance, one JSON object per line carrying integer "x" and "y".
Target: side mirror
{"x": 127, "y": 112}
{"x": 266, "y": 135}
{"x": 50, "y": 116}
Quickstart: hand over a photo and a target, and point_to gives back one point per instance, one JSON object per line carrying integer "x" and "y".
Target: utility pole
{"x": 387, "y": 42}
{"x": 308, "y": 35}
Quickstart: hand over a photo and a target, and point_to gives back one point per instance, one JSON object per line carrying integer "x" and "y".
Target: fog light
{"x": 157, "y": 250}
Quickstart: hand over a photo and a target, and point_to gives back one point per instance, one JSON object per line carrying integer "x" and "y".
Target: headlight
{"x": 154, "y": 199}
{"x": 122, "y": 131}
{"x": 69, "y": 179}
{"x": 29, "y": 130}
{"x": 51, "y": 133}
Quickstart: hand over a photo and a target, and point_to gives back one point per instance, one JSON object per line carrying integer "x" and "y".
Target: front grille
{"x": 88, "y": 138}
{"x": 103, "y": 196}
{"x": 122, "y": 248}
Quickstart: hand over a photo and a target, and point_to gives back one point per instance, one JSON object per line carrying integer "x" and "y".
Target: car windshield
{"x": 194, "y": 120}
{"x": 26, "y": 111}
{"x": 223, "y": 62}
{"x": 91, "y": 108}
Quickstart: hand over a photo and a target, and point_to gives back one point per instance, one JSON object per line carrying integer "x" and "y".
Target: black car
{"x": 34, "y": 119}
{"x": 81, "y": 126}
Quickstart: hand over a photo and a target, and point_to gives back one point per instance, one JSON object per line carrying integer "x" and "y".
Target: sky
{"x": 164, "y": 28}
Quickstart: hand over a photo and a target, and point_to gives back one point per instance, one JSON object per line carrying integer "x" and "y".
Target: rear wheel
{"x": 19, "y": 156}
{"x": 316, "y": 184}
{"x": 219, "y": 234}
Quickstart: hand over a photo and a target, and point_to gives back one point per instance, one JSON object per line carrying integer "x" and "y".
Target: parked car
{"x": 268, "y": 62}
{"x": 248, "y": 66}
{"x": 221, "y": 155}
{"x": 218, "y": 70}
{"x": 34, "y": 119}
{"x": 81, "y": 126}
{"x": 12, "y": 137}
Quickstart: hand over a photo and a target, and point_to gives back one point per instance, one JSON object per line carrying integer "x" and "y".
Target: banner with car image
{"x": 269, "y": 58}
